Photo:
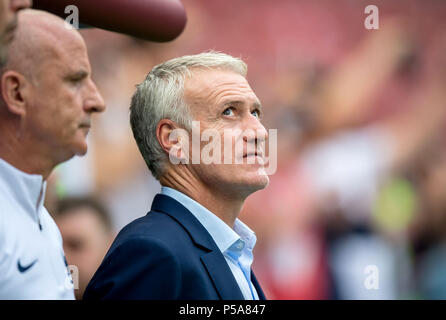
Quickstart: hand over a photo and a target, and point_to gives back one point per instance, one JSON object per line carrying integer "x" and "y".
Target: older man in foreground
{"x": 191, "y": 245}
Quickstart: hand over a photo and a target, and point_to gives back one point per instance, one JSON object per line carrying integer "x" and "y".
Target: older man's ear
{"x": 14, "y": 90}
{"x": 173, "y": 140}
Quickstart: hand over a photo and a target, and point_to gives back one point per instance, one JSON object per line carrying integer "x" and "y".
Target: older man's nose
{"x": 94, "y": 101}
{"x": 255, "y": 130}
{"x": 17, "y": 5}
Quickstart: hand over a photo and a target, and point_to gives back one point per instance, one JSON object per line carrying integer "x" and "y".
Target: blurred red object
{"x": 154, "y": 20}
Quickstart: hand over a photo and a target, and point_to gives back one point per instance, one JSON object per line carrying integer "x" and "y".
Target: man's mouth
{"x": 85, "y": 126}
{"x": 253, "y": 154}
{"x": 256, "y": 158}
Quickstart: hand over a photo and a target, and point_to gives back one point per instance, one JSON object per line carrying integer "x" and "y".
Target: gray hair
{"x": 160, "y": 96}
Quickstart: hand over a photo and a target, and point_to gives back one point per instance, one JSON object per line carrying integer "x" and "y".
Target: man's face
{"x": 63, "y": 98}
{"x": 85, "y": 242}
{"x": 8, "y": 23}
{"x": 224, "y": 102}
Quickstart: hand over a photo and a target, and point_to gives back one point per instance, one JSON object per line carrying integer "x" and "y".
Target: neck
{"x": 223, "y": 204}
{"x": 22, "y": 153}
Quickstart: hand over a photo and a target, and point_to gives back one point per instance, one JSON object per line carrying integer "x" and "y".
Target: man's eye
{"x": 228, "y": 111}
{"x": 256, "y": 113}
{"x": 76, "y": 79}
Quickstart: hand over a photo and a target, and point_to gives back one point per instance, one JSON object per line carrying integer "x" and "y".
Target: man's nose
{"x": 94, "y": 101}
{"x": 256, "y": 131}
{"x": 17, "y": 5}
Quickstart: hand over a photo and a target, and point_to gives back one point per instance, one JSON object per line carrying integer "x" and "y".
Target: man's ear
{"x": 12, "y": 91}
{"x": 173, "y": 140}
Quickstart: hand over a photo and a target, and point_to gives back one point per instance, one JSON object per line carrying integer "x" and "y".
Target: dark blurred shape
{"x": 154, "y": 20}
{"x": 69, "y": 204}
{"x": 409, "y": 62}
{"x": 428, "y": 235}
{"x": 87, "y": 233}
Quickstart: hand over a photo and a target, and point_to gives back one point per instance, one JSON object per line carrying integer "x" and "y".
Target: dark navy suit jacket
{"x": 167, "y": 254}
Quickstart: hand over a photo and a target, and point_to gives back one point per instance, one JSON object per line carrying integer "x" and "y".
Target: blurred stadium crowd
{"x": 361, "y": 177}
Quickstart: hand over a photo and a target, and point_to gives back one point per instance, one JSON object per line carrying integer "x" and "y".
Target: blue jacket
{"x": 167, "y": 254}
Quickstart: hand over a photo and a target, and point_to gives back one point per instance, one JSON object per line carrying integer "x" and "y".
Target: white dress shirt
{"x": 235, "y": 244}
{"x": 32, "y": 261}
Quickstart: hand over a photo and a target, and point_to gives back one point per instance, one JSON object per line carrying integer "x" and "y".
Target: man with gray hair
{"x": 191, "y": 245}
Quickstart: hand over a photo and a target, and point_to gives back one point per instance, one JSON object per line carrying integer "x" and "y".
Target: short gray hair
{"x": 160, "y": 96}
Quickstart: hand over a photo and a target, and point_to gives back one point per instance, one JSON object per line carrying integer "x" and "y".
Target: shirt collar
{"x": 27, "y": 189}
{"x": 227, "y": 239}
{"x": 246, "y": 242}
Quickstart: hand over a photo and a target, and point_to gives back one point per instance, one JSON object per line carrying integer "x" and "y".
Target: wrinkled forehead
{"x": 215, "y": 86}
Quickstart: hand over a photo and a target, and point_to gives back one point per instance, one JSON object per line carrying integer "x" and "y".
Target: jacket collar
{"x": 178, "y": 212}
{"x": 213, "y": 259}
{"x": 257, "y": 286}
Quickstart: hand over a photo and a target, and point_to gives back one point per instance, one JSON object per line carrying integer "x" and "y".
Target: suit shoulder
{"x": 150, "y": 261}
{"x": 154, "y": 227}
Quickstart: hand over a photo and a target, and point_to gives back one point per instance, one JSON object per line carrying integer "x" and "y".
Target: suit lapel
{"x": 221, "y": 276}
{"x": 257, "y": 286}
{"x": 178, "y": 212}
{"x": 213, "y": 260}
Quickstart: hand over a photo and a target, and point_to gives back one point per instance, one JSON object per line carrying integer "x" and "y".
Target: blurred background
{"x": 357, "y": 207}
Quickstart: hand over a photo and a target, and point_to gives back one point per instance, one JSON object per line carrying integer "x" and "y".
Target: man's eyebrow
{"x": 78, "y": 75}
{"x": 256, "y": 104}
